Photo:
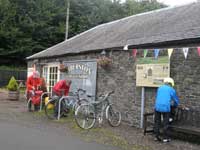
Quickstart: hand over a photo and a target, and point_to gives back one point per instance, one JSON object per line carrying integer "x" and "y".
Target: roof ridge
{"x": 45, "y": 50}
{"x": 135, "y": 15}
{"x": 136, "y": 29}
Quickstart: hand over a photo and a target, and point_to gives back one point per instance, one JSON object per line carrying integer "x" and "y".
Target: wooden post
{"x": 67, "y": 20}
{"x": 142, "y": 107}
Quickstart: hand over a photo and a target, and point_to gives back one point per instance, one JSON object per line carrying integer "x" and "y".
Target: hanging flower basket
{"x": 63, "y": 68}
{"x": 104, "y": 62}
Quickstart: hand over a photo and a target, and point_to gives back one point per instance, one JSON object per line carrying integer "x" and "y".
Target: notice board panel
{"x": 83, "y": 75}
{"x": 150, "y": 72}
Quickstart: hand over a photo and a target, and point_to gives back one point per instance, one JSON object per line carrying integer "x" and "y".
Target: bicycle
{"x": 87, "y": 114}
{"x": 65, "y": 104}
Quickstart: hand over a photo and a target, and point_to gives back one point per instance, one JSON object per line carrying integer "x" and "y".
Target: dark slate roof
{"x": 164, "y": 25}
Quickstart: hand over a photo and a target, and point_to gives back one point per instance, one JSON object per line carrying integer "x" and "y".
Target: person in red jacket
{"x": 59, "y": 89}
{"x": 33, "y": 83}
{"x": 62, "y": 87}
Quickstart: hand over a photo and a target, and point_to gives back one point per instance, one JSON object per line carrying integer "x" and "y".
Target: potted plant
{"x": 104, "y": 62}
{"x": 13, "y": 89}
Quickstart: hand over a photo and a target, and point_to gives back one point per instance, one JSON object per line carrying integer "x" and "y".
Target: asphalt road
{"x": 16, "y": 137}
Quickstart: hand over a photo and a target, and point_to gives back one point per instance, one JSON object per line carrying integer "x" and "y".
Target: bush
{"x": 12, "y": 85}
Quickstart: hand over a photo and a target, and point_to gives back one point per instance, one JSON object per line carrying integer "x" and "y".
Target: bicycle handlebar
{"x": 109, "y": 93}
{"x": 81, "y": 90}
{"x": 104, "y": 97}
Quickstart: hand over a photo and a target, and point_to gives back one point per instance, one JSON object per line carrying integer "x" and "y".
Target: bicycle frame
{"x": 87, "y": 114}
{"x": 104, "y": 106}
{"x": 59, "y": 104}
{"x": 76, "y": 97}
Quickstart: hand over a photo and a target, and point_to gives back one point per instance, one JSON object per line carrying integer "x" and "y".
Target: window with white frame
{"x": 51, "y": 75}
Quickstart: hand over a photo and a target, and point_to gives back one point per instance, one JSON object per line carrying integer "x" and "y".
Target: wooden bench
{"x": 186, "y": 120}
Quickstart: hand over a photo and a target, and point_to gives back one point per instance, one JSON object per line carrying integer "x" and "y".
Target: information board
{"x": 150, "y": 72}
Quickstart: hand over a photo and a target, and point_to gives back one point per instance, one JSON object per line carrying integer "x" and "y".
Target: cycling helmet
{"x": 169, "y": 80}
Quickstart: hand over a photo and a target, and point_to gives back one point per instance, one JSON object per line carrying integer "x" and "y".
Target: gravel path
{"x": 124, "y": 137}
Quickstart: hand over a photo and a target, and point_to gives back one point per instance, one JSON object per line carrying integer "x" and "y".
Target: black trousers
{"x": 157, "y": 123}
{"x": 56, "y": 104}
{"x": 56, "y": 98}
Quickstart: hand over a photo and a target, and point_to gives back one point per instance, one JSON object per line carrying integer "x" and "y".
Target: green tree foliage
{"x": 30, "y": 26}
{"x": 132, "y": 7}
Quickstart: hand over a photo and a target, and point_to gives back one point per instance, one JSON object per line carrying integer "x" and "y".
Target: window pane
{"x": 53, "y": 76}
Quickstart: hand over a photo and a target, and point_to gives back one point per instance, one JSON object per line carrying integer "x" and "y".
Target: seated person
{"x": 32, "y": 84}
{"x": 60, "y": 88}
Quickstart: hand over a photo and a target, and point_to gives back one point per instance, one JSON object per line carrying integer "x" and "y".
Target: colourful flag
{"x": 170, "y": 51}
{"x": 125, "y": 47}
{"x": 156, "y": 53}
{"x": 198, "y": 49}
{"x": 185, "y": 51}
{"x": 145, "y": 52}
{"x": 134, "y": 53}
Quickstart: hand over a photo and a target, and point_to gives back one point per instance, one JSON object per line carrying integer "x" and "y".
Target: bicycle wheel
{"x": 49, "y": 109}
{"x": 65, "y": 109}
{"x": 85, "y": 116}
{"x": 79, "y": 102}
{"x": 113, "y": 115}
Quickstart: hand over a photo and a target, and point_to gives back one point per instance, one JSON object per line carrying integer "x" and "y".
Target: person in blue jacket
{"x": 165, "y": 95}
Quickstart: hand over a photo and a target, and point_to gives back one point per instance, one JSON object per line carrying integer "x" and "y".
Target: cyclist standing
{"x": 165, "y": 94}
{"x": 32, "y": 84}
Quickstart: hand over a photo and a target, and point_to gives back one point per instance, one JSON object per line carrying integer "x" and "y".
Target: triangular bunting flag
{"x": 145, "y": 53}
{"x": 170, "y": 51}
{"x": 134, "y": 53}
{"x": 185, "y": 51}
{"x": 198, "y": 49}
{"x": 125, "y": 47}
{"x": 156, "y": 53}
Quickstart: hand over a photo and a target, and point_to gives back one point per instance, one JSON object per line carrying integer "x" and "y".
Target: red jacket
{"x": 33, "y": 82}
{"x": 61, "y": 87}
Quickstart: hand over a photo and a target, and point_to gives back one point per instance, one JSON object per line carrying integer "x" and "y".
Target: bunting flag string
{"x": 185, "y": 51}
{"x": 156, "y": 53}
{"x": 145, "y": 53}
{"x": 125, "y": 47}
{"x": 170, "y": 51}
{"x": 198, "y": 49}
{"x": 134, "y": 53}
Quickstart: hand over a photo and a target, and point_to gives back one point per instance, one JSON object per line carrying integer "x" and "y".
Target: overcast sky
{"x": 176, "y": 2}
